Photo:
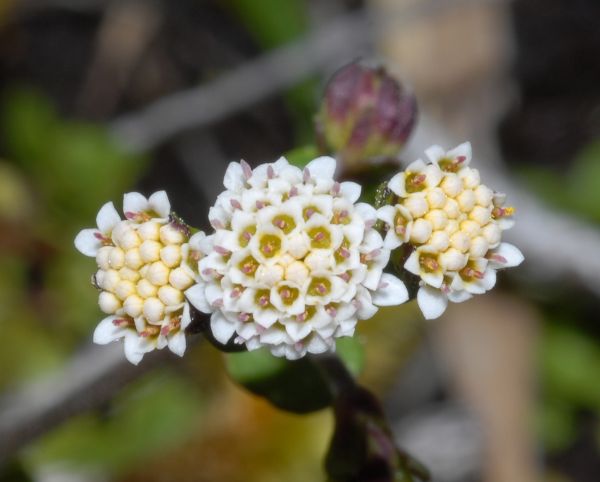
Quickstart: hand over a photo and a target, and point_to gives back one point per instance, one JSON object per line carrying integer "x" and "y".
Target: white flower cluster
{"x": 146, "y": 262}
{"x": 295, "y": 261}
{"x": 453, "y": 225}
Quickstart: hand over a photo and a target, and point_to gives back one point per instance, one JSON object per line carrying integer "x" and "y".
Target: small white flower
{"x": 295, "y": 262}
{"x": 146, "y": 262}
{"x": 452, "y": 225}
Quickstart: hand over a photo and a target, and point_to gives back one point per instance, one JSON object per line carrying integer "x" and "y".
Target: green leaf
{"x": 301, "y": 156}
{"x": 151, "y": 416}
{"x": 296, "y": 386}
{"x": 352, "y": 353}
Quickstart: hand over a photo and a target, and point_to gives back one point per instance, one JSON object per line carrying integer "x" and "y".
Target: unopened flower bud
{"x": 296, "y": 272}
{"x": 150, "y": 251}
{"x": 108, "y": 303}
{"x": 178, "y": 278}
{"x": 171, "y": 235}
{"x": 479, "y": 247}
{"x": 158, "y": 274}
{"x": 416, "y": 205}
{"x": 436, "y": 198}
{"x": 102, "y": 258}
{"x": 153, "y": 310}
{"x": 421, "y": 231}
{"x": 452, "y": 185}
{"x": 439, "y": 240}
{"x": 124, "y": 288}
{"x": 133, "y": 260}
{"x": 466, "y": 200}
{"x": 169, "y": 295}
{"x": 116, "y": 258}
{"x": 366, "y": 113}
{"x": 453, "y": 259}
{"x": 129, "y": 274}
{"x": 146, "y": 289}
{"x": 492, "y": 234}
{"x": 109, "y": 279}
{"x": 149, "y": 231}
{"x": 171, "y": 255}
{"x": 133, "y": 305}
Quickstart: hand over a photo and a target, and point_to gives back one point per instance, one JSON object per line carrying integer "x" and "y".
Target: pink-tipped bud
{"x": 235, "y": 204}
{"x": 270, "y": 172}
{"x": 366, "y": 113}
{"x": 246, "y": 169}
{"x": 306, "y": 175}
{"x": 222, "y": 251}
{"x": 217, "y": 224}
{"x": 498, "y": 258}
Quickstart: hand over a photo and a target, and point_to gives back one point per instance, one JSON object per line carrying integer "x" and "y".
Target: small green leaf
{"x": 296, "y": 386}
{"x": 301, "y": 156}
{"x": 352, "y": 353}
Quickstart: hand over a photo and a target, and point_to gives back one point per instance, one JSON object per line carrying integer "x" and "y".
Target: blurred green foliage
{"x": 569, "y": 356}
{"x": 298, "y": 386}
{"x": 576, "y": 189}
{"x": 570, "y": 364}
{"x": 151, "y": 415}
{"x": 274, "y": 23}
{"x": 60, "y": 172}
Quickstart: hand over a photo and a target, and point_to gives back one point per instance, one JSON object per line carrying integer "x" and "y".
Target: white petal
{"x": 412, "y": 264}
{"x": 134, "y": 202}
{"x": 266, "y": 318}
{"x": 489, "y": 279}
{"x": 322, "y": 167}
{"x": 273, "y": 336}
{"x": 391, "y": 292}
{"x": 186, "y": 318}
{"x": 107, "y": 218}
{"x": 510, "y": 253}
{"x": 221, "y": 328}
{"x": 387, "y": 214}
{"x": 177, "y": 343}
{"x": 297, "y": 331}
{"x": 133, "y": 351}
{"x": 464, "y": 150}
{"x": 435, "y": 153}
{"x": 197, "y": 297}
{"x": 392, "y": 241}
{"x": 234, "y": 177}
{"x": 317, "y": 345}
{"x": 159, "y": 203}
{"x": 107, "y": 331}
{"x": 87, "y": 243}
{"x": 366, "y": 211}
{"x": 432, "y": 302}
{"x": 350, "y": 191}
{"x": 398, "y": 184}
{"x": 458, "y": 296}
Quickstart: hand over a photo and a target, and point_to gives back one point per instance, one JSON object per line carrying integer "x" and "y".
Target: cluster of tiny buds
{"x": 141, "y": 273}
{"x": 145, "y": 264}
{"x": 452, "y": 223}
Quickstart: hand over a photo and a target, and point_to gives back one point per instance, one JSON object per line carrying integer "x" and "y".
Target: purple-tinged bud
{"x": 365, "y": 114}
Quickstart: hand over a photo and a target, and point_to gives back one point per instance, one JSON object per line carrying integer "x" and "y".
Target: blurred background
{"x": 99, "y": 97}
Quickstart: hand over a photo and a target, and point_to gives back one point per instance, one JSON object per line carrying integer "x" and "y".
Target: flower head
{"x": 145, "y": 263}
{"x": 452, "y": 225}
{"x": 295, "y": 260}
{"x": 366, "y": 113}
